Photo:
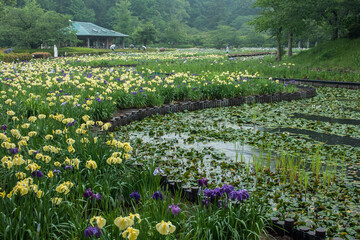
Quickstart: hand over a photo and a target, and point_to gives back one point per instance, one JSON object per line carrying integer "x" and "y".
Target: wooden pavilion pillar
{"x": 88, "y": 42}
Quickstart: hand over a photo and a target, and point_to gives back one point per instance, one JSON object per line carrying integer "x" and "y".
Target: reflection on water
{"x": 232, "y": 150}
{"x": 220, "y": 151}
{"x": 215, "y": 151}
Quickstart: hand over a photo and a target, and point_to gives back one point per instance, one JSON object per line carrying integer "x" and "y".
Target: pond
{"x": 302, "y": 156}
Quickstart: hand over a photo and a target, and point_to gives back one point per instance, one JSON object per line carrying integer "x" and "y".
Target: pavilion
{"x": 94, "y": 36}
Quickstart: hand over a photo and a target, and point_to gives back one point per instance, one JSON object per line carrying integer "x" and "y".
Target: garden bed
{"x": 86, "y": 184}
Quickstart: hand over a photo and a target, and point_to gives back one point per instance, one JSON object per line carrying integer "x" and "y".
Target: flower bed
{"x": 72, "y": 183}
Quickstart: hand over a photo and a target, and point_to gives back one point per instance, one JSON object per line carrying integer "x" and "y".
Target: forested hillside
{"x": 212, "y": 23}
{"x": 179, "y": 23}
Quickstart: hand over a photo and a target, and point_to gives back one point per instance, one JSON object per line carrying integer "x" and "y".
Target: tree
{"x": 272, "y": 19}
{"x": 223, "y": 35}
{"x": 122, "y": 20}
{"x": 4, "y": 3}
{"x": 31, "y": 25}
{"x": 80, "y": 12}
{"x": 337, "y": 15}
{"x": 175, "y": 33}
{"x": 145, "y": 33}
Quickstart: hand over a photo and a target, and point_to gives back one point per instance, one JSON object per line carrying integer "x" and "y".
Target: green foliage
{"x": 145, "y": 34}
{"x": 31, "y": 25}
{"x": 207, "y": 23}
{"x": 235, "y": 221}
{"x": 80, "y": 12}
{"x": 15, "y": 57}
{"x": 342, "y": 54}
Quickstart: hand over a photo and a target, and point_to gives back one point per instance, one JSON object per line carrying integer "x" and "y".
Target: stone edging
{"x": 139, "y": 114}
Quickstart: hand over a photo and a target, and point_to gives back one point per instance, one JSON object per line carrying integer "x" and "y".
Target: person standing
{"x": 112, "y": 47}
{"x": 227, "y": 48}
{"x": 55, "y": 52}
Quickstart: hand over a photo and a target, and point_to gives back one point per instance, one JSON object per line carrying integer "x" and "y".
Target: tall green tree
{"x": 121, "y": 18}
{"x": 175, "y": 33}
{"x": 272, "y": 18}
{"x": 223, "y": 35}
{"x": 31, "y": 26}
{"x": 145, "y": 34}
{"x": 80, "y": 12}
{"x": 4, "y": 3}
{"x": 336, "y": 15}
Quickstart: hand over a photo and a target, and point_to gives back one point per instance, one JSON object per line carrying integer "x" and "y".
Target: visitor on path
{"x": 227, "y": 48}
{"x": 143, "y": 47}
{"x": 55, "y": 52}
{"x": 112, "y": 47}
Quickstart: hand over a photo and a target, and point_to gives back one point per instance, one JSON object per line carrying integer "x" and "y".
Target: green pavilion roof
{"x": 90, "y": 29}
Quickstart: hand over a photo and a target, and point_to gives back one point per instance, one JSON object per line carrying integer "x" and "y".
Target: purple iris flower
{"x": 68, "y": 167}
{"x": 227, "y": 188}
{"x": 135, "y": 195}
{"x": 14, "y": 150}
{"x": 88, "y": 193}
{"x": 97, "y": 196}
{"x": 91, "y": 231}
{"x": 203, "y": 182}
{"x": 56, "y": 171}
{"x": 134, "y": 93}
{"x": 62, "y": 104}
{"x": 72, "y": 123}
{"x": 209, "y": 193}
{"x": 218, "y": 192}
{"x": 37, "y": 173}
{"x": 3, "y": 127}
{"x": 205, "y": 202}
{"x": 174, "y": 209}
{"x": 239, "y": 195}
{"x": 157, "y": 171}
{"x": 99, "y": 100}
{"x": 156, "y": 195}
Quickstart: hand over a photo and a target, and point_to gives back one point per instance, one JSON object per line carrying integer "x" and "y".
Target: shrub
{"x": 41, "y": 55}
{"x": 15, "y": 57}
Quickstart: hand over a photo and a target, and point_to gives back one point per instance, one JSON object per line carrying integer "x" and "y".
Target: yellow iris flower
{"x": 100, "y": 221}
{"x": 131, "y": 233}
{"x": 164, "y": 228}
